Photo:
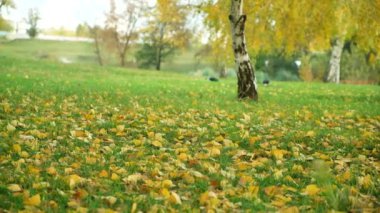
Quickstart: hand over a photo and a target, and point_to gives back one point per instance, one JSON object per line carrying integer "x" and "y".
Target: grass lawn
{"x": 84, "y": 53}
{"x": 80, "y": 137}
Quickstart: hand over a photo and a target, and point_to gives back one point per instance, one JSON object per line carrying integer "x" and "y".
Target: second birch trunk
{"x": 333, "y": 74}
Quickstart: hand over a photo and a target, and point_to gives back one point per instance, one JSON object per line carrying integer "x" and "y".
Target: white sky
{"x": 61, "y": 13}
{"x": 65, "y": 13}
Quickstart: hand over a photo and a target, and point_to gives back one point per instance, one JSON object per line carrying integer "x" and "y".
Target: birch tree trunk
{"x": 98, "y": 52}
{"x": 160, "y": 46}
{"x": 333, "y": 74}
{"x": 96, "y": 35}
{"x": 247, "y": 86}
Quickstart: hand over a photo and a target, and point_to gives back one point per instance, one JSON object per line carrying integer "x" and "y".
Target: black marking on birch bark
{"x": 231, "y": 18}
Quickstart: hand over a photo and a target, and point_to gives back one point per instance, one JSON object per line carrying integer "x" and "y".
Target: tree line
{"x": 160, "y": 29}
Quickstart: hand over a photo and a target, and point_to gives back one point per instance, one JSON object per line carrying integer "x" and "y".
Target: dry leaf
{"x": 157, "y": 144}
{"x": 33, "y": 201}
{"x": 312, "y": 190}
{"x": 174, "y": 198}
{"x": 11, "y": 128}
{"x": 16, "y": 148}
{"x": 14, "y": 188}
{"x": 103, "y": 174}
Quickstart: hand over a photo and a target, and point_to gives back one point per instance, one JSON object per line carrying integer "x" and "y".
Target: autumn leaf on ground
{"x": 103, "y": 174}
{"x": 278, "y": 153}
{"x": 273, "y": 190}
{"x": 157, "y": 143}
{"x": 174, "y": 198}
{"x": 14, "y": 188}
{"x": 311, "y": 190}
{"x": 74, "y": 180}
{"x": 16, "y": 148}
{"x": 33, "y": 201}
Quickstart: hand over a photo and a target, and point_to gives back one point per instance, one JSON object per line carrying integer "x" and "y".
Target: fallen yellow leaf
{"x": 79, "y": 133}
{"x": 366, "y": 181}
{"x": 111, "y": 200}
{"x": 254, "y": 190}
{"x": 74, "y": 180}
{"x": 114, "y": 176}
{"x": 33, "y": 201}
{"x": 103, "y": 174}
{"x": 312, "y": 190}
{"x": 165, "y": 192}
{"x": 11, "y": 128}
{"x": 219, "y": 138}
{"x": 203, "y": 199}
{"x": 278, "y": 153}
{"x": 157, "y": 144}
{"x": 14, "y": 188}
{"x": 272, "y": 190}
{"x": 215, "y": 152}
{"x": 292, "y": 209}
{"x": 182, "y": 156}
{"x": 134, "y": 208}
{"x": 106, "y": 211}
{"x": 254, "y": 139}
{"x": 51, "y": 171}
{"x": 137, "y": 142}
{"x": 167, "y": 184}
{"x": 16, "y": 148}
{"x": 174, "y": 198}
{"x": 310, "y": 134}
{"x": 120, "y": 128}
{"x": 24, "y": 154}
{"x": 134, "y": 178}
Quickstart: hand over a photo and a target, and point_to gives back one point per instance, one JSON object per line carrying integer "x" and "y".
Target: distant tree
{"x": 5, "y": 25}
{"x": 97, "y": 33}
{"x": 122, "y": 27}
{"x": 83, "y": 30}
{"x": 148, "y": 55}
{"x": 165, "y": 33}
{"x": 32, "y": 21}
{"x": 356, "y": 22}
{"x": 6, "y": 4}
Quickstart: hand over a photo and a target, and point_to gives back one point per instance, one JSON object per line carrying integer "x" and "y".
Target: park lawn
{"x": 77, "y": 52}
{"x": 81, "y": 137}
{"x": 183, "y": 61}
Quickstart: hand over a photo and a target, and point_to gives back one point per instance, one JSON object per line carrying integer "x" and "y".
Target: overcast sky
{"x": 61, "y": 13}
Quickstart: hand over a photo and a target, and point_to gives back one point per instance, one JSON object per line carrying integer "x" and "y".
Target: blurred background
{"x": 287, "y": 41}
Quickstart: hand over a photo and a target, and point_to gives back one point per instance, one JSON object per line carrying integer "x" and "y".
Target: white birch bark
{"x": 247, "y": 86}
{"x": 334, "y": 65}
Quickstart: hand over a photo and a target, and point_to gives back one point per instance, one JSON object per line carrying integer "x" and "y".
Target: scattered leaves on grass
{"x": 116, "y": 151}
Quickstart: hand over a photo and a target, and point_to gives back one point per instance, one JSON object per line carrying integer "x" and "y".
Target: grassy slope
{"x": 83, "y": 52}
{"x": 238, "y": 147}
{"x": 79, "y": 52}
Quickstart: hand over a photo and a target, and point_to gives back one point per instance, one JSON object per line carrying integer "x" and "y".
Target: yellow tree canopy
{"x": 292, "y": 26}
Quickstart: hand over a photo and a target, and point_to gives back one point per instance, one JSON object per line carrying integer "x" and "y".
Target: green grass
{"x": 85, "y": 119}
{"x": 84, "y": 53}
{"x": 78, "y": 52}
